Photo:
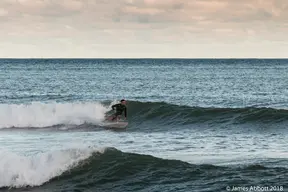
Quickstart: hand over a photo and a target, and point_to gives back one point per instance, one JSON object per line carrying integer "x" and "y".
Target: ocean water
{"x": 194, "y": 125}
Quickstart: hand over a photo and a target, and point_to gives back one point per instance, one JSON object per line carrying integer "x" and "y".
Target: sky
{"x": 143, "y": 28}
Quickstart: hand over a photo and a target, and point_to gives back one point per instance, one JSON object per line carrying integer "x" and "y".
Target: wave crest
{"x": 19, "y": 171}
{"x": 39, "y": 114}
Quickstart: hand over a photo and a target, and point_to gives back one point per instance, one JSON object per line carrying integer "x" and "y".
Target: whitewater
{"x": 39, "y": 114}
{"x": 194, "y": 125}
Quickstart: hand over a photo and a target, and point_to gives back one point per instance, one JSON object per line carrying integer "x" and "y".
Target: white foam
{"x": 19, "y": 171}
{"x": 39, "y": 114}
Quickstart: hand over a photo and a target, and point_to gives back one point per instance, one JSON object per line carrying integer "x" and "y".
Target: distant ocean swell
{"x": 113, "y": 170}
{"x": 39, "y": 114}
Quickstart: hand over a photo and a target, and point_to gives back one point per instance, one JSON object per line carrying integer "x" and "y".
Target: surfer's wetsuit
{"x": 119, "y": 110}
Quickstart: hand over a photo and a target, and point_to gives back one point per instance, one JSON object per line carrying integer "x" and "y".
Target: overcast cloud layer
{"x": 143, "y": 28}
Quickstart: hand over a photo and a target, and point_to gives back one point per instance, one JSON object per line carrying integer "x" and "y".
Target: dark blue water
{"x": 194, "y": 125}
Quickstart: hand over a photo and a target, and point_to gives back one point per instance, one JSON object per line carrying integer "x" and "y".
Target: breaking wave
{"x": 153, "y": 113}
{"x": 114, "y": 170}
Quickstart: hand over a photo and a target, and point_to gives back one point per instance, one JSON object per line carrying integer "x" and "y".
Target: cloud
{"x": 209, "y": 10}
{"x": 150, "y": 11}
{"x": 141, "y": 22}
{"x": 3, "y": 12}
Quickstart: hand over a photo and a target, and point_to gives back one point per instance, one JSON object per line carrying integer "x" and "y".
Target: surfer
{"x": 120, "y": 108}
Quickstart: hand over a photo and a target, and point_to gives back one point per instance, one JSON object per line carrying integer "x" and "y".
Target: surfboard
{"x": 117, "y": 125}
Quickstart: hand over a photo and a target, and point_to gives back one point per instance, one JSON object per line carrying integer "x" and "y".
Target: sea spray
{"x": 34, "y": 170}
{"x": 39, "y": 114}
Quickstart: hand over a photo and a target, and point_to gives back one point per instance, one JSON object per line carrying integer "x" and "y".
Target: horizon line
{"x": 129, "y": 58}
